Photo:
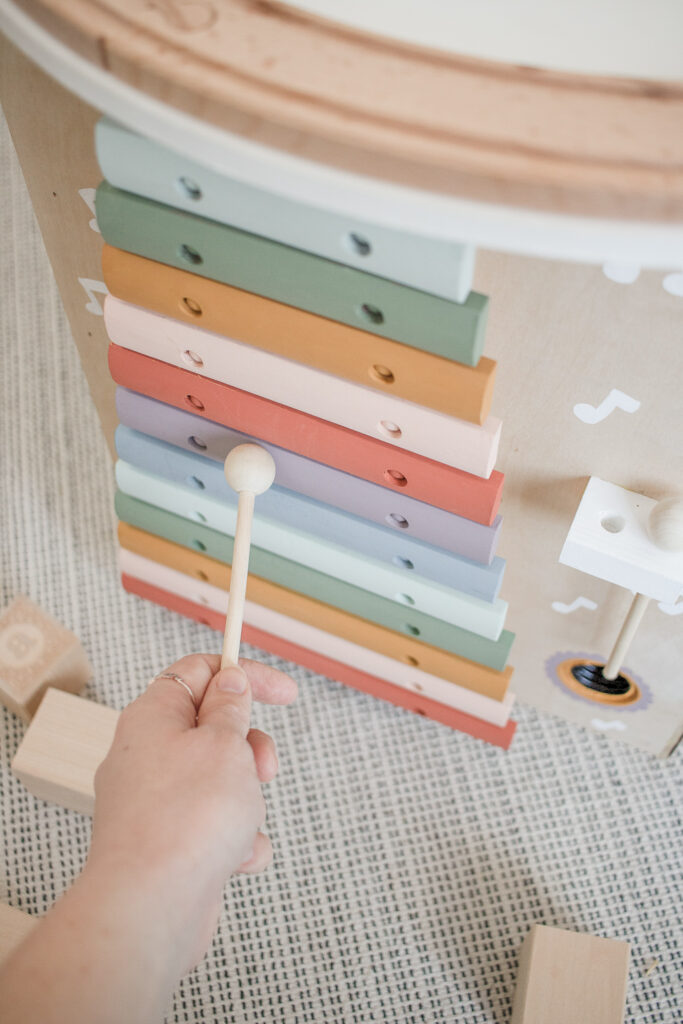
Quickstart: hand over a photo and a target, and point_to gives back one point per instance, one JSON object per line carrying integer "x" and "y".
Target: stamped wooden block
{"x": 379, "y": 363}
{"x": 450, "y": 329}
{"x": 399, "y": 643}
{"x": 206, "y": 478}
{"x": 410, "y": 427}
{"x": 570, "y": 978}
{"x": 396, "y": 672}
{"x": 15, "y": 925}
{"x": 137, "y": 164}
{"x": 62, "y": 748}
{"x": 322, "y": 665}
{"x": 36, "y": 652}
{"x": 336, "y": 592}
{"x": 385, "y": 505}
{"x": 441, "y": 601}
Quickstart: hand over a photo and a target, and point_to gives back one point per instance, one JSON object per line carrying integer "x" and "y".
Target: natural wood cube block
{"x": 570, "y": 978}
{"x": 36, "y": 652}
{"x": 14, "y": 927}
{"x": 62, "y": 749}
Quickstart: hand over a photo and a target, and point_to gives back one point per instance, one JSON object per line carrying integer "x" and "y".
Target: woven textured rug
{"x": 410, "y": 861}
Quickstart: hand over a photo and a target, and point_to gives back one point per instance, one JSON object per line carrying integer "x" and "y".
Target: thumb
{"x": 227, "y": 701}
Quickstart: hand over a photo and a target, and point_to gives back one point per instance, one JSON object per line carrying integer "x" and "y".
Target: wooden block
{"x": 609, "y": 539}
{"x": 284, "y": 626}
{"x": 36, "y": 651}
{"x": 570, "y": 978}
{"x": 434, "y": 435}
{"x": 137, "y": 164}
{"x": 424, "y": 479}
{"x": 294, "y": 576}
{"x": 444, "y": 664}
{"x": 486, "y": 618}
{"x": 450, "y": 329}
{"x": 15, "y": 925}
{"x": 379, "y": 363}
{"x": 385, "y": 505}
{"x": 322, "y": 665}
{"x": 207, "y": 478}
{"x": 62, "y": 747}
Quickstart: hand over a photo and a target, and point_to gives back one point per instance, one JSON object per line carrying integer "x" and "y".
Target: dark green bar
{"x": 454, "y": 330}
{"x": 317, "y": 585}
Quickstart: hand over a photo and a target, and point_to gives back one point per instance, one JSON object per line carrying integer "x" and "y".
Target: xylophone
{"x": 355, "y": 359}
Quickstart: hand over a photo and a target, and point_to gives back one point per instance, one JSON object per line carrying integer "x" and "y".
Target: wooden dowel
{"x": 250, "y": 470}
{"x": 238, "y": 579}
{"x": 626, "y": 634}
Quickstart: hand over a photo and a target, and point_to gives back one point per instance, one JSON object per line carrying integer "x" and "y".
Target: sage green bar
{"x": 318, "y": 585}
{"x": 454, "y": 330}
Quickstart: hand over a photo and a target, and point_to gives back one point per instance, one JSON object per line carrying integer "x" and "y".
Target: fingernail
{"x": 232, "y": 679}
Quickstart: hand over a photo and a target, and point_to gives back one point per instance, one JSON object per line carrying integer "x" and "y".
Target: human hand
{"x": 178, "y": 802}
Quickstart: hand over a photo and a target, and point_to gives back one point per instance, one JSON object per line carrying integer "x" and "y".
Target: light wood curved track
{"x": 461, "y": 126}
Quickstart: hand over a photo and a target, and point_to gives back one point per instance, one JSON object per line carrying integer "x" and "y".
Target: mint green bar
{"x": 318, "y": 585}
{"x": 454, "y": 330}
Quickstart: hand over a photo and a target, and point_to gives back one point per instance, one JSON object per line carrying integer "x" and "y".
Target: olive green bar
{"x": 317, "y": 585}
{"x": 454, "y": 330}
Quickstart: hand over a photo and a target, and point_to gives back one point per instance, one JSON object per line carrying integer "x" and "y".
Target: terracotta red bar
{"x": 443, "y": 486}
{"x": 497, "y": 736}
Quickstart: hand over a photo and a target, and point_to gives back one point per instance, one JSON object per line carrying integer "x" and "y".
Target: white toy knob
{"x": 665, "y": 524}
{"x": 250, "y": 470}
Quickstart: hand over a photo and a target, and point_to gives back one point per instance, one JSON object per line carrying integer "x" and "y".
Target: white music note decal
{"x": 603, "y": 726}
{"x": 88, "y": 197}
{"x": 671, "y": 609}
{"x": 580, "y": 602}
{"x": 91, "y": 287}
{"x": 615, "y": 400}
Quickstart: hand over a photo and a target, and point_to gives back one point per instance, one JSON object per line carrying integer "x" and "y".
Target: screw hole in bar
{"x": 413, "y": 630}
{"x": 198, "y": 544}
{"x": 197, "y": 443}
{"x": 201, "y": 575}
{"x": 189, "y": 305}
{"x": 199, "y": 516}
{"x": 192, "y": 358}
{"x": 371, "y": 314}
{"x": 395, "y": 477}
{"x": 357, "y": 244}
{"x": 382, "y": 374}
{"x": 405, "y": 599}
{"x": 402, "y": 563}
{"x": 389, "y": 429}
{"x": 411, "y": 660}
{"x": 188, "y": 188}
{"x": 194, "y": 481}
{"x": 394, "y": 519}
{"x": 189, "y": 254}
{"x": 195, "y": 402}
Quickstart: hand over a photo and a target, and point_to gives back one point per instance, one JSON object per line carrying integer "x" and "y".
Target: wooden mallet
{"x": 250, "y": 470}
